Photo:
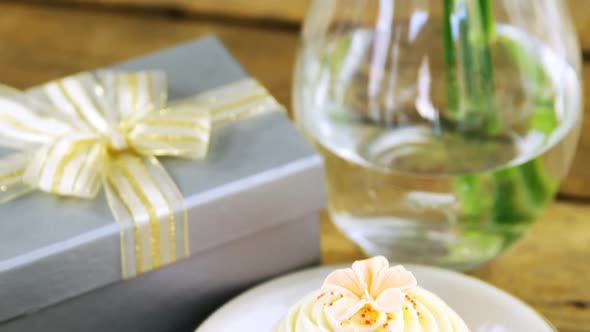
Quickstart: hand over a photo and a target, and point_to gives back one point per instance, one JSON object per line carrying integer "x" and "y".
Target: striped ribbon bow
{"x": 106, "y": 129}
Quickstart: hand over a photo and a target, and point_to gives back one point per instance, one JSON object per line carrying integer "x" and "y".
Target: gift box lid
{"x": 259, "y": 173}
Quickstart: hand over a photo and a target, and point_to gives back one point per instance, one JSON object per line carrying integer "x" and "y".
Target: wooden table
{"x": 42, "y": 40}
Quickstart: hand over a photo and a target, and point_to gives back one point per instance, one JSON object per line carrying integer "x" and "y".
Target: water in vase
{"x": 405, "y": 179}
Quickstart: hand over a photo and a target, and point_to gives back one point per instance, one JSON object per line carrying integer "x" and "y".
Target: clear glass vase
{"x": 446, "y": 125}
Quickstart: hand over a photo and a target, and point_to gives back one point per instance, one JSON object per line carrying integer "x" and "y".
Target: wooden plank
{"x": 580, "y": 11}
{"x": 291, "y": 12}
{"x": 548, "y": 268}
{"x": 577, "y": 184}
{"x": 57, "y": 41}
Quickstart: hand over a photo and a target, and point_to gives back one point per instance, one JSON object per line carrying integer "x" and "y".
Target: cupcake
{"x": 372, "y": 296}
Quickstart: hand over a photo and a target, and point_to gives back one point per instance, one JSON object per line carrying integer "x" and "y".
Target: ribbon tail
{"x": 150, "y": 212}
{"x": 12, "y": 169}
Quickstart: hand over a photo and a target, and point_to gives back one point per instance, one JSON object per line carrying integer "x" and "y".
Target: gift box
{"x": 251, "y": 208}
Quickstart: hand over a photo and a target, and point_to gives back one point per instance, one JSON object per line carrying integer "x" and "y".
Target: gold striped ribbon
{"x": 106, "y": 129}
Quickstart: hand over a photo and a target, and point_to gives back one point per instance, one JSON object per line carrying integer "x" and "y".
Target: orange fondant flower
{"x": 369, "y": 282}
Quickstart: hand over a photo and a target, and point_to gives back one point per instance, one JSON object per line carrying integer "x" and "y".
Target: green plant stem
{"x": 487, "y": 18}
{"x": 487, "y": 80}
{"x": 510, "y": 197}
{"x": 539, "y": 187}
{"x": 470, "y": 194}
{"x": 519, "y": 192}
{"x": 476, "y": 33}
{"x": 450, "y": 59}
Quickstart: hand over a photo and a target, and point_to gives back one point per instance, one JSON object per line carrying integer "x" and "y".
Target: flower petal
{"x": 344, "y": 308}
{"x": 399, "y": 277}
{"x": 368, "y": 270}
{"x": 344, "y": 281}
{"x": 394, "y": 277}
{"x": 389, "y": 301}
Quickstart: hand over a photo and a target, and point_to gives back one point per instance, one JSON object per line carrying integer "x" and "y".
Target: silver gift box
{"x": 253, "y": 213}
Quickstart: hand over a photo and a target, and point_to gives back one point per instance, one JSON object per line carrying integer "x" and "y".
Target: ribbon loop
{"x": 23, "y": 123}
{"x": 182, "y": 133}
{"x": 134, "y": 94}
{"x": 79, "y": 99}
{"x": 69, "y": 166}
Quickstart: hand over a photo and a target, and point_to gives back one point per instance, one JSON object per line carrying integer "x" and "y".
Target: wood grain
{"x": 548, "y": 268}
{"x": 577, "y": 184}
{"x": 290, "y": 12}
{"x": 57, "y": 41}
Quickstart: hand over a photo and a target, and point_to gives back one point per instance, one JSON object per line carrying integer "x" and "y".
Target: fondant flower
{"x": 369, "y": 282}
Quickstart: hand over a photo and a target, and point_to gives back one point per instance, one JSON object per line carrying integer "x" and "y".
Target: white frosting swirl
{"x": 422, "y": 311}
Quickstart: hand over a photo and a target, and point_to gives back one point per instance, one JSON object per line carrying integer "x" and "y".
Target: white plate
{"x": 483, "y": 307}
